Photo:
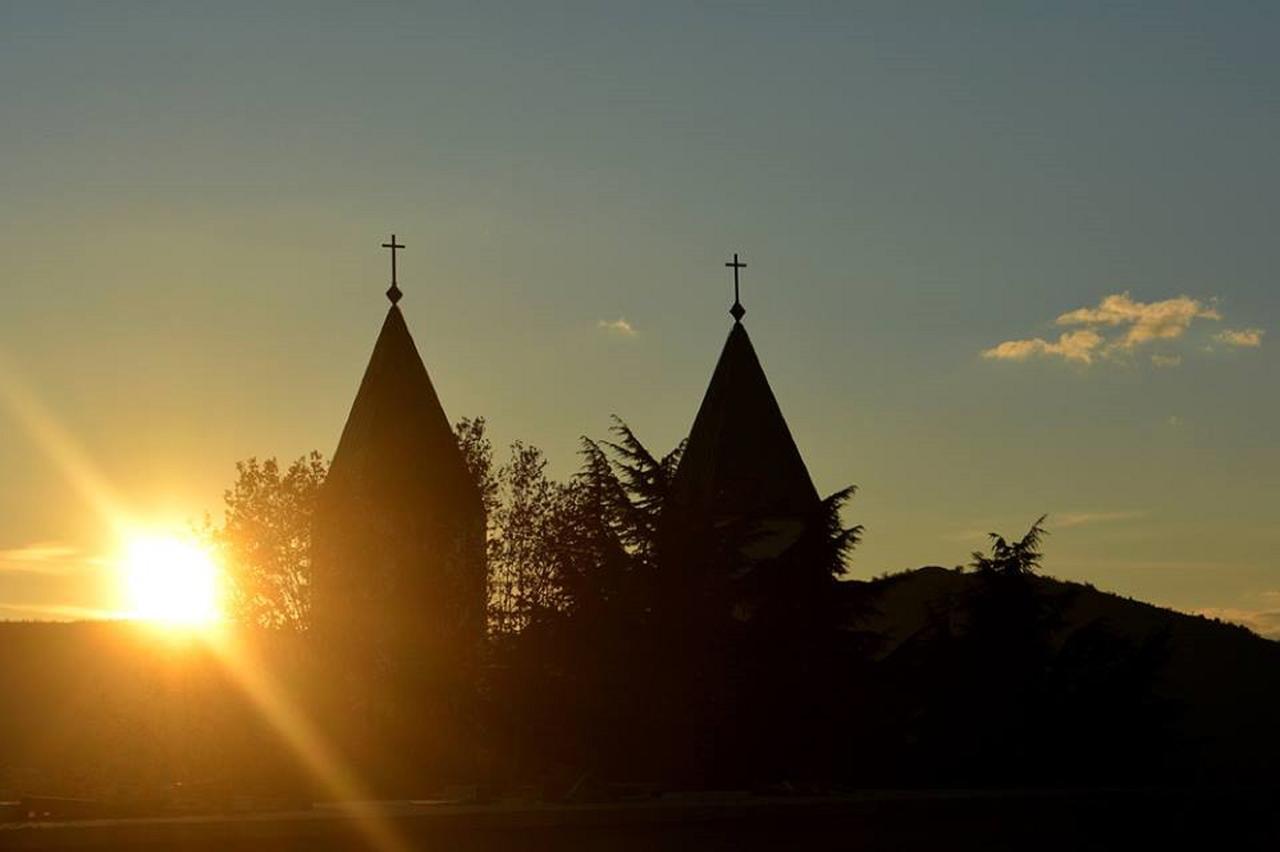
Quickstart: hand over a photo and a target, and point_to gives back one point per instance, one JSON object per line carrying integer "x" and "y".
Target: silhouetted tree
{"x": 573, "y": 581}
{"x": 264, "y": 540}
{"x": 477, "y": 454}
{"x": 633, "y": 485}
{"x": 610, "y": 527}
{"x": 524, "y": 556}
{"x": 1013, "y": 558}
{"x": 524, "y": 509}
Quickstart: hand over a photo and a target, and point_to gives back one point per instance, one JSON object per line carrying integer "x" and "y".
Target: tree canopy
{"x": 264, "y": 540}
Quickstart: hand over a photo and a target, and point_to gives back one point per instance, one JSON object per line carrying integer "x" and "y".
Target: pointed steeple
{"x": 740, "y": 461}
{"x": 398, "y": 455}
{"x": 397, "y": 428}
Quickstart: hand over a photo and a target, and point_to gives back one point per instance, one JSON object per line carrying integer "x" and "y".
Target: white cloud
{"x": 1080, "y": 346}
{"x": 1117, "y": 326}
{"x": 1244, "y": 337}
{"x": 620, "y": 327}
{"x": 1144, "y": 321}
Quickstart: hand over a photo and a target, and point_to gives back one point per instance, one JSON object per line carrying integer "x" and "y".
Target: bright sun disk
{"x": 171, "y": 580}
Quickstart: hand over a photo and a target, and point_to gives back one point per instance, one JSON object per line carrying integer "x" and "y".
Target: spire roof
{"x": 397, "y": 439}
{"x": 740, "y": 460}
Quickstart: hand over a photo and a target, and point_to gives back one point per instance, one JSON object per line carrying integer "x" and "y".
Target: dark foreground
{"x": 873, "y": 820}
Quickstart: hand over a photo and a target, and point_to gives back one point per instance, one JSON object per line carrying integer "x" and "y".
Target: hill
{"x": 1220, "y": 681}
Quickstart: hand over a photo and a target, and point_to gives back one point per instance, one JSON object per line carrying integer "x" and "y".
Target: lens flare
{"x": 172, "y": 581}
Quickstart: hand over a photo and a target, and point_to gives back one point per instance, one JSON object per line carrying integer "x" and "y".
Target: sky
{"x": 1001, "y": 262}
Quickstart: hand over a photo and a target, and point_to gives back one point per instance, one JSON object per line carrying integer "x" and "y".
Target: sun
{"x": 171, "y": 580}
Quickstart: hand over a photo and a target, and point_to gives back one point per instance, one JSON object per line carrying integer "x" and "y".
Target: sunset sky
{"x": 999, "y": 265}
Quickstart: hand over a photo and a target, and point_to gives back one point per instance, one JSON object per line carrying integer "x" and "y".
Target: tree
{"x": 477, "y": 455}
{"x": 524, "y": 551}
{"x": 265, "y": 540}
{"x": 634, "y": 486}
{"x": 1018, "y": 558}
{"x": 611, "y": 527}
{"x": 524, "y": 508}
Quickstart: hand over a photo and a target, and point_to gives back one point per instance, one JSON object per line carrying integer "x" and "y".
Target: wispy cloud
{"x": 619, "y": 327}
{"x": 53, "y": 580}
{"x": 1116, "y": 326}
{"x": 1067, "y": 520}
{"x": 1055, "y": 521}
{"x": 1249, "y": 338}
{"x": 46, "y": 557}
{"x": 38, "y": 552}
{"x": 55, "y": 612}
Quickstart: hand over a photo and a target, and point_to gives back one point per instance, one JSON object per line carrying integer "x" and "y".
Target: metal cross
{"x": 737, "y": 311}
{"x": 393, "y": 292}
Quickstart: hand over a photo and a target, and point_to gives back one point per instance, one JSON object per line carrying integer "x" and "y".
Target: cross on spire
{"x": 393, "y": 292}
{"x": 737, "y": 311}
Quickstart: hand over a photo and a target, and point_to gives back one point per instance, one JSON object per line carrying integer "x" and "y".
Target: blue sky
{"x": 192, "y": 198}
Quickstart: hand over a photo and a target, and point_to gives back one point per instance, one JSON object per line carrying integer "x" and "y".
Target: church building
{"x": 398, "y": 562}
{"x": 398, "y": 594}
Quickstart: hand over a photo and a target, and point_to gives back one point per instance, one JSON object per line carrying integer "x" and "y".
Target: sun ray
{"x": 290, "y": 722}
{"x": 305, "y": 740}
{"x": 62, "y": 449}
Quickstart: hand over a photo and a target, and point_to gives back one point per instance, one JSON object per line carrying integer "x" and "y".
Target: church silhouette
{"x": 399, "y": 575}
